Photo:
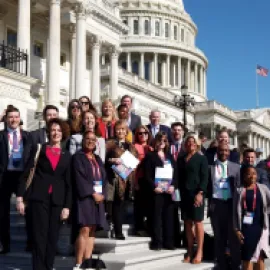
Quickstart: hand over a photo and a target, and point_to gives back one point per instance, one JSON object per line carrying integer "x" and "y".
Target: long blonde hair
{"x": 109, "y": 101}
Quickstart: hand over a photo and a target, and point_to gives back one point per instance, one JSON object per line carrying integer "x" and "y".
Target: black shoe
{"x": 86, "y": 264}
{"x": 155, "y": 247}
{"x": 169, "y": 247}
{"x": 120, "y": 237}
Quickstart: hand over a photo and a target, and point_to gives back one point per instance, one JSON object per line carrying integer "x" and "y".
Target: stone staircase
{"x": 130, "y": 254}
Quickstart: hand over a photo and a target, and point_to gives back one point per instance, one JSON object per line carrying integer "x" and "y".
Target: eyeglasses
{"x": 142, "y": 133}
{"x": 75, "y": 107}
{"x": 85, "y": 103}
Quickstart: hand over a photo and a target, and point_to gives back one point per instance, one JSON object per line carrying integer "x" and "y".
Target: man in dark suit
{"x": 13, "y": 158}
{"x": 155, "y": 126}
{"x": 134, "y": 121}
{"x": 249, "y": 159}
{"x": 39, "y": 136}
{"x": 211, "y": 153}
{"x": 224, "y": 180}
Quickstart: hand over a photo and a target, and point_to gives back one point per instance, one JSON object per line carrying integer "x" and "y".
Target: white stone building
{"x": 107, "y": 48}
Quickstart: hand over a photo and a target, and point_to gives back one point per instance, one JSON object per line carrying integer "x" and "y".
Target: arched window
{"x": 167, "y": 30}
{"x": 175, "y": 31}
{"x": 182, "y": 35}
{"x": 157, "y": 28}
{"x": 147, "y": 27}
{"x": 135, "y": 27}
{"x": 135, "y": 67}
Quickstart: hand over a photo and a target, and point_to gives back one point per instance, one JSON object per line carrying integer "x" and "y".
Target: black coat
{"x": 45, "y": 176}
{"x": 38, "y": 136}
{"x": 151, "y": 162}
{"x": 163, "y": 128}
{"x": 4, "y": 150}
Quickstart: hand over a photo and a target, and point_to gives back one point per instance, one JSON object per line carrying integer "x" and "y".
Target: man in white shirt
{"x": 14, "y": 155}
{"x": 224, "y": 179}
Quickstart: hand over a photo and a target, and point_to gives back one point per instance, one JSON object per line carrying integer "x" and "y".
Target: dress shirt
{"x": 155, "y": 130}
{"x": 129, "y": 120}
{"x": 221, "y": 172}
{"x": 10, "y": 149}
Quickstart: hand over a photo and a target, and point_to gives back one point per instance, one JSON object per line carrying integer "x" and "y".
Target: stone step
{"x": 188, "y": 266}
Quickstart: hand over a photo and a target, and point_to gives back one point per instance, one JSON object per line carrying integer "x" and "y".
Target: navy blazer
{"x": 162, "y": 128}
{"x": 4, "y": 150}
{"x": 135, "y": 122}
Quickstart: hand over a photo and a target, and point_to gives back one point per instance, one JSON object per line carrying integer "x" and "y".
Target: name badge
{"x": 16, "y": 158}
{"x": 223, "y": 185}
{"x": 248, "y": 218}
{"x": 98, "y": 187}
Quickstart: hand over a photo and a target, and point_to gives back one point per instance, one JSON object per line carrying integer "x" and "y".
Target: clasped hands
{"x": 169, "y": 191}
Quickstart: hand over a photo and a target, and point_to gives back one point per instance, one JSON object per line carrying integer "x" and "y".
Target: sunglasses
{"x": 143, "y": 133}
{"x": 85, "y": 103}
{"x": 75, "y": 107}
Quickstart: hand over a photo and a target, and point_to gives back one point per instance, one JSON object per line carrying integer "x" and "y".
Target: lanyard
{"x": 95, "y": 168}
{"x": 219, "y": 170}
{"x": 254, "y": 199}
{"x": 175, "y": 152}
{"x": 107, "y": 127}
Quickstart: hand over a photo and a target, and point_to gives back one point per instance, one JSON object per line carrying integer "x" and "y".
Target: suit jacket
{"x": 163, "y": 128}
{"x": 135, "y": 122}
{"x": 233, "y": 176}
{"x": 262, "y": 176}
{"x": 4, "y": 150}
{"x": 38, "y": 136}
{"x": 45, "y": 177}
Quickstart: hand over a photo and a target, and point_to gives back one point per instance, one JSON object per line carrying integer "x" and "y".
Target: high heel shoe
{"x": 187, "y": 258}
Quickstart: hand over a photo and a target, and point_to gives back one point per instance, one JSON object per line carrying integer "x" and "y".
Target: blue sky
{"x": 235, "y": 36}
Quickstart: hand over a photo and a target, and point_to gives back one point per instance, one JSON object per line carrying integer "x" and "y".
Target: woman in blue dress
{"x": 251, "y": 220}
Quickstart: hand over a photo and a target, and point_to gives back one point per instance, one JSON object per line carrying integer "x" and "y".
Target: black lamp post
{"x": 183, "y": 102}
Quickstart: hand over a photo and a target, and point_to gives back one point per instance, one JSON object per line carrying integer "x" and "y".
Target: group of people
{"x": 75, "y": 170}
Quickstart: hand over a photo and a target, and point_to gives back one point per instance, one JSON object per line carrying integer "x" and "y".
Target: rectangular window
{"x": 63, "y": 59}
{"x": 11, "y": 38}
{"x": 147, "y": 27}
{"x": 182, "y": 35}
{"x": 167, "y": 30}
{"x": 157, "y": 30}
{"x": 175, "y": 30}
{"x": 125, "y": 21}
{"x": 38, "y": 49}
{"x": 135, "y": 27}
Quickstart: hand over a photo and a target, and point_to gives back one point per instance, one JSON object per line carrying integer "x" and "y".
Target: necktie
{"x": 177, "y": 147}
{"x": 223, "y": 170}
{"x": 15, "y": 141}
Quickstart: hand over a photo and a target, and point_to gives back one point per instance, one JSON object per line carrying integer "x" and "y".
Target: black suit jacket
{"x": 38, "y": 136}
{"x": 135, "y": 122}
{"x": 4, "y": 151}
{"x": 45, "y": 176}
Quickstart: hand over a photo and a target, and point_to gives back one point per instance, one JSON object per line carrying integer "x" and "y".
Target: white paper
{"x": 129, "y": 160}
{"x": 248, "y": 220}
{"x": 164, "y": 173}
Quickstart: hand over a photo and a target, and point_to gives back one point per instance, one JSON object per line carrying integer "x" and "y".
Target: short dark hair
{"x": 49, "y": 107}
{"x": 121, "y": 106}
{"x": 201, "y": 135}
{"x": 126, "y": 96}
{"x": 176, "y": 124}
{"x": 11, "y": 109}
{"x": 63, "y": 125}
{"x": 222, "y": 131}
{"x": 248, "y": 150}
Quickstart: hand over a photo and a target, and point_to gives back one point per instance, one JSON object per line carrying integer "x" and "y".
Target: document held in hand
{"x": 128, "y": 165}
{"x": 163, "y": 177}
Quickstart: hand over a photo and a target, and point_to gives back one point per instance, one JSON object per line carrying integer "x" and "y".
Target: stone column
{"x": 179, "y": 68}
{"x": 200, "y": 90}
{"x": 114, "y": 74}
{"x": 130, "y": 25}
{"x": 156, "y": 67}
{"x": 152, "y": 28}
{"x": 250, "y": 140}
{"x": 152, "y": 72}
{"x": 141, "y": 26}
{"x": 141, "y": 71}
{"x": 81, "y": 90}
{"x": 163, "y": 73}
{"x": 162, "y": 32}
{"x": 204, "y": 83}
{"x": 24, "y": 28}
{"x": 196, "y": 78}
{"x": 263, "y": 147}
{"x": 129, "y": 68}
{"x": 168, "y": 61}
{"x": 53, "y": 87}
{"x": 174, "y": 75}
{"x": 188, "y": 70}
{"x": 72, "y": 92}
{"x": 254, "y": 141}
{"x": 95, "y": 91}
{"x": 2, "y": 28}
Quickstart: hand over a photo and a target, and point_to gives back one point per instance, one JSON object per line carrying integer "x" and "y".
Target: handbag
{"x": 32, "y": 171}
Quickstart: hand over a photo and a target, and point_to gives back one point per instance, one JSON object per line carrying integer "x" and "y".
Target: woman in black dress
{"x": 192, "y": 175}
{"x": 90, "y": 182}
{"x": 251, "y": 220}
{"x": 160, "y": 197}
